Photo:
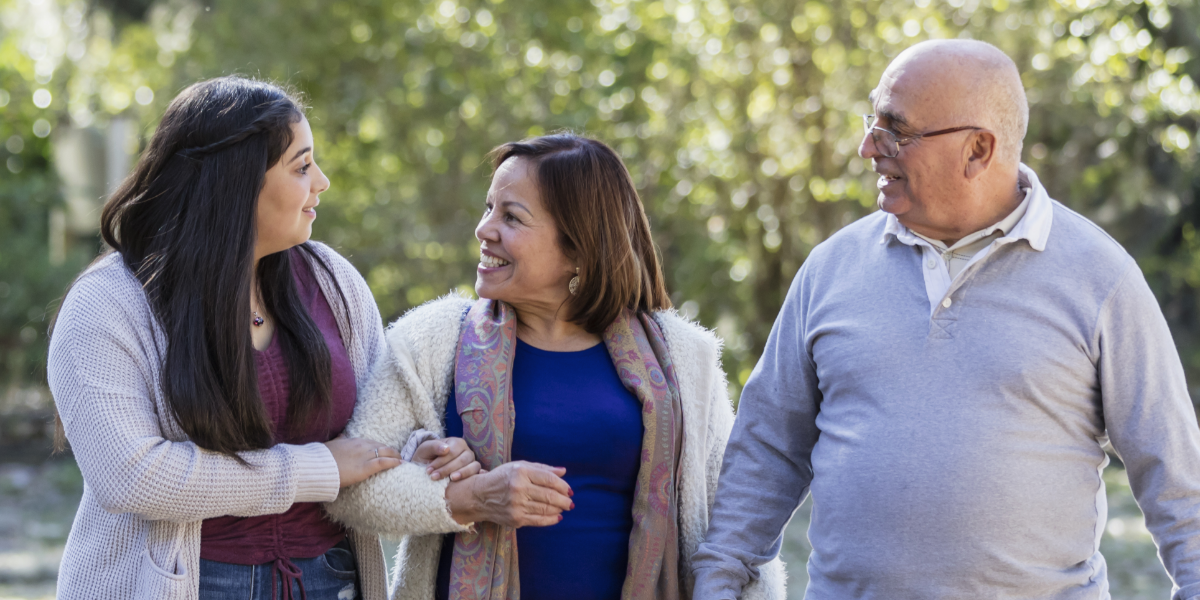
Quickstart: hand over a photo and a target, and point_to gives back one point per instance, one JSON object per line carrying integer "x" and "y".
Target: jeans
{"x": 331, "y": 576}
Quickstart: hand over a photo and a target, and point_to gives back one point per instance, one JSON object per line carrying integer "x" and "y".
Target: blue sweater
{"x": 572, "y": 412}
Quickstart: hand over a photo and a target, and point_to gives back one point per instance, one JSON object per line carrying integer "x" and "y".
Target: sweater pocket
{"x": 154, "y": 581}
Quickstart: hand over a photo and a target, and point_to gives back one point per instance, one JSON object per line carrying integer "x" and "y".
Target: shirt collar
{"x": 1033, "y": 226}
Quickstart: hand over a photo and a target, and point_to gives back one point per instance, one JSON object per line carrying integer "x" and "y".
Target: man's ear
{"x": 980, "y": 150}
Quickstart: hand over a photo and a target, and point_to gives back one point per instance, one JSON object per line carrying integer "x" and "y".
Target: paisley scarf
{"x": 484, "y": 565}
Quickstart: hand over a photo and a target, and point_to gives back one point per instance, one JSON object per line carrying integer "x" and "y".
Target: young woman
{"x": 204, "y": 370}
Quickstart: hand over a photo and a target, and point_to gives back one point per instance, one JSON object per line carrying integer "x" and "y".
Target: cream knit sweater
{"x": 410, "y": 392}
{"x": 146, "y": 487}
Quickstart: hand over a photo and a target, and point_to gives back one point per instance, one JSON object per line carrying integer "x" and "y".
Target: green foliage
{"x": 739, "y": 120}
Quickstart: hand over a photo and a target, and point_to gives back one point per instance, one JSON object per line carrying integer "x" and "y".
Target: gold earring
{"x": 573, "y": 286}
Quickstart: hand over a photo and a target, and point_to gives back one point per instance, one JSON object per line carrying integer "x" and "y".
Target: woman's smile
{"x": 490, "y": 262}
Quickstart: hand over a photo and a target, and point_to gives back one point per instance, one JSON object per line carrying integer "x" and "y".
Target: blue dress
{"x": 571, "y": 411}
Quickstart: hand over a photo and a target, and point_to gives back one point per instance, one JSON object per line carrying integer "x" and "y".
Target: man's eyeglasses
{"x": 888, "y": 143}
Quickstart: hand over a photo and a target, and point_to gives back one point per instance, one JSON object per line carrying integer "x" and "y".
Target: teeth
{"x": 491, "y": 261}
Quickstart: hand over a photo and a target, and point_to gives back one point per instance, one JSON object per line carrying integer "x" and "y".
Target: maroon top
{"x": 304, "y": 531}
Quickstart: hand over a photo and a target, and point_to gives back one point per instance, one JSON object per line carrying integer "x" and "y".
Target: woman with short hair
{"x": 205, "y": 367}
{"x": 600, "y": 414}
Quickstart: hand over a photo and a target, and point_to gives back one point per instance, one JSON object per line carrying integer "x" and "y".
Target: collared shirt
{"x": 1030, "y": 221}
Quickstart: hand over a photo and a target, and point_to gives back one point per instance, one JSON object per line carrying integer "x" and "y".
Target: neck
{"x": 543, "y": 328}
{"x": 1001, "y": 205}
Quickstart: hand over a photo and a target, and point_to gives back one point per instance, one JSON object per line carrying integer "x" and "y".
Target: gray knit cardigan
{"x": 410, "y": 391}
{"x": 146, "y": 487}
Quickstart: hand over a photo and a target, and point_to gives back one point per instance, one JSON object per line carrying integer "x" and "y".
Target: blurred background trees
{"x": 738, "y": 119}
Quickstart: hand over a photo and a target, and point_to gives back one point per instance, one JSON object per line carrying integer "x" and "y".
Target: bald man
{"x": 944, "y": 373}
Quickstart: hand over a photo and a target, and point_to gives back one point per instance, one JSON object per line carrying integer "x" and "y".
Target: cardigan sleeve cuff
{"x": 317, "y": 476}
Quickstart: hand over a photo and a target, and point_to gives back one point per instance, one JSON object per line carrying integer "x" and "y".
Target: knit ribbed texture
{"x": 146, "y": 487}
{"x": 410, "y": 392}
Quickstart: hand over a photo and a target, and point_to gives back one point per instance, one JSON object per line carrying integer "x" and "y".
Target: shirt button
{"x": 946, "y": 303}
{"x": 932, "y": 264}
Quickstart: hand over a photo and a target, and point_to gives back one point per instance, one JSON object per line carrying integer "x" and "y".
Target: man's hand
{"x": 449, "y": 456}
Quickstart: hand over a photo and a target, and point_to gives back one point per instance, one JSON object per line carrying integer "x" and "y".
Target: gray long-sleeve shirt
{"x": 958, "y": 455}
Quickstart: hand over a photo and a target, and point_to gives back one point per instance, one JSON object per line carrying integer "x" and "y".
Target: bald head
{"x": 964, "y": 82}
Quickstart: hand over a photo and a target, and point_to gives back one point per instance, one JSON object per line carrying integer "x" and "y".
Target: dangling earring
{"x": 573, "y": 286}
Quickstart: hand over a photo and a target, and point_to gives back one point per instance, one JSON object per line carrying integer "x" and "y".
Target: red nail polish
{"x": 560, "y": 518}
{"x": 570, "y": 493}
{"x": 572, "y": 506}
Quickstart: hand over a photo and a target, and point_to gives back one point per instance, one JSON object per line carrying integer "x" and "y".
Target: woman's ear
{"x": 980, "y": 150}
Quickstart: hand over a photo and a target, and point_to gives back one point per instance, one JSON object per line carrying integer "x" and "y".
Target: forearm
{"x": 759, "y": 491}
{"x": 161, "y": 480}
{"x": 766, "y": 469}
{"x": 1150, "y": 419}
{"x": 398, "y": 502}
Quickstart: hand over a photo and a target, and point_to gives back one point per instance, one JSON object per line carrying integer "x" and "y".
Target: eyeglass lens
{"x": 885, "y": 141}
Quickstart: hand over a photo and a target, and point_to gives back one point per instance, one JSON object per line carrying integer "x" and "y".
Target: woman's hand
{"x": 516, "y": 494}
{"x": 358, "y": 459}
{"x": 451, "y": 455}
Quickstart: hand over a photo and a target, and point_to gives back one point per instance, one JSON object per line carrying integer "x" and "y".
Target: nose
{"x": 867, "y": 148}
{"x": 320, "y": 182}
{"x": 486, "y": 230}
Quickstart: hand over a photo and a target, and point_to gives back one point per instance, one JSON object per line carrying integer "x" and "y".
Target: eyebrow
{"x": 894, "y": 118}
{"x": 300, "y": 153}
{"x": 511, "y": 203}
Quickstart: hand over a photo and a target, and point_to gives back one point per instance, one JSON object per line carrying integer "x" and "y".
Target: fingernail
{"x": 436, "y": 476}
{"x": 560, "y": 518}
{"x": 454, "y": 476}
{"x": 570, "y": 493}
{"x": 572, "y": 506}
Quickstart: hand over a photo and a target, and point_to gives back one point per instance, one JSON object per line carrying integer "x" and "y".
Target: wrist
{"x": 460, "y": 498}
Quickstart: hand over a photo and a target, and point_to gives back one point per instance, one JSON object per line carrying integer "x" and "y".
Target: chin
{"x": 484, "y": 290}
{"x": 894, "y": 205}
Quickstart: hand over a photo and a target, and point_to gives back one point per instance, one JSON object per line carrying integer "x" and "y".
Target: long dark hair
{"x": 602, "y": 225}
{"x": 184, "y": 223}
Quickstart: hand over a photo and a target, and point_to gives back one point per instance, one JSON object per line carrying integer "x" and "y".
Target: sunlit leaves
{"x": 739, "y": 120}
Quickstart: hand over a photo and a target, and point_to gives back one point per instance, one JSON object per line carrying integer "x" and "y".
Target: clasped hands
{"x": 359, "y": 458}
{"x": 515, "y": 494}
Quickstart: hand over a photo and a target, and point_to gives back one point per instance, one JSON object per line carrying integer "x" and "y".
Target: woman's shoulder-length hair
{"x": 602, "y": 225}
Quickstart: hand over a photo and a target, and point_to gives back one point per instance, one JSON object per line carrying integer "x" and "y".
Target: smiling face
{"x": 924, "y": 185}
{"x": 288, "y": 200}
{"x": 521, "y": 261}
{"x": 949, "y": 185}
